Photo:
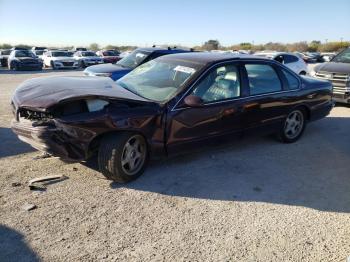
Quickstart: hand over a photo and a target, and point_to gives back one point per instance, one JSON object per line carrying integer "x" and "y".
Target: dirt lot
{"x": 255, "y": 200}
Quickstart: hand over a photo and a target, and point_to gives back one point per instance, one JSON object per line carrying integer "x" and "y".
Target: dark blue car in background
{"x": 128, "y": 63}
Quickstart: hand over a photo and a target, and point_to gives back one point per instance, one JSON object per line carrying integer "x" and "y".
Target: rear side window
{"x": 262, "y": 79}
{"x": 293, "y": 82}
{"x": 290, "y": 59}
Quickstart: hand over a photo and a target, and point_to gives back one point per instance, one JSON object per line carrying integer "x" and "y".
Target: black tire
{"x": 53, "y": 65}
{"x": 113, "y": 149}
{"x": 82, "y": 64}
{"x": 285, "y": 134}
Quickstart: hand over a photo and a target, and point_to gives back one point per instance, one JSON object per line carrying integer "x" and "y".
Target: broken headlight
{"x": 95, "y": 104}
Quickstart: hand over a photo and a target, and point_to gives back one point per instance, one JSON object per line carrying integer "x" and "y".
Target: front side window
{"x": 157, "y": 80}
{"x": 262, "y": 79}
{"x": 220, "y": 84}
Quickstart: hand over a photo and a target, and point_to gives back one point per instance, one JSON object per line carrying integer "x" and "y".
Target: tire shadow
{"x": 313, "y": 172}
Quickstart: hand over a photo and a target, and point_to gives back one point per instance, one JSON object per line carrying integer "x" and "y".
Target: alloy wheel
{"x": 294, "y": 124}
{"x": 134, "y": 155}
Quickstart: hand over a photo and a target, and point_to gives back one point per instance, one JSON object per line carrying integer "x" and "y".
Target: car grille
{"x": 68, "y": 63}
{"x": 27, "y": 62}
{"x": 340, "y": 82}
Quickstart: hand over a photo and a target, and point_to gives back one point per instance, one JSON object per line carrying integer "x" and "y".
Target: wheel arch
{"x": 306, "y": 109}
{"x": 95, "y": 142}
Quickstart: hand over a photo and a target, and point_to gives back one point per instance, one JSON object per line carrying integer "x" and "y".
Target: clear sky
{"x": 136, "y": 22}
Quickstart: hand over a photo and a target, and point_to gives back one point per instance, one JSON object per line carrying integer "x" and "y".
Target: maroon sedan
{"x": 165, "y": 106}
{"x": 109, "y": 56}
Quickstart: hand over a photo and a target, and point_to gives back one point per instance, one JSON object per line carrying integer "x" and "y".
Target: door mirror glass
{"x": 193, "y": 101}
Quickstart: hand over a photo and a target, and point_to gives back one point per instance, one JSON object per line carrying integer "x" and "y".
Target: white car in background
{"x": 290, "y": 60}
{"x": 87, "y": 58}
{"x": 58, "y": 59}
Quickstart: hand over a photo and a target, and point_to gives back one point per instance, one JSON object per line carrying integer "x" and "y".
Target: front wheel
{"x": 293, "y": 126}
{"x": 122, "y": 157}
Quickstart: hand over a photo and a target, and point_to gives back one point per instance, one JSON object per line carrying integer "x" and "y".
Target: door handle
{"x": 311, "y": 96}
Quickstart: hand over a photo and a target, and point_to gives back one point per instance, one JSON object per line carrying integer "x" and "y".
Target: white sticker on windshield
{"x": 185, "y": 69}
{"x": 140, "y": 55}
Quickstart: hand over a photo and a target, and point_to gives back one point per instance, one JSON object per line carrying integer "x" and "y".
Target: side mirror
{"x": 193, "y": 101}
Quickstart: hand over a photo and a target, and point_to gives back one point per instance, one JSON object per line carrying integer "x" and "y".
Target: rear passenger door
{"x": 264, "y": 105}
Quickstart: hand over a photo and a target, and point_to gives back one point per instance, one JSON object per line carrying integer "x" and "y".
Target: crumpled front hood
{"x": 332, "y": 67}
{"x": 42, "y": 93}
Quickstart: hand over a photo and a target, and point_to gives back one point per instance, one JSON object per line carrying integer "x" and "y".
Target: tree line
{"x": 303, "y": 46}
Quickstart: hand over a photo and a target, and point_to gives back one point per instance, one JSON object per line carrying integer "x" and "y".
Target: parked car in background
{"x": 4, "y": 55}
{"x": 327, "y": 56}
{"x": 109, "y": 56}
{"x": 59, "y": 59}
{"x": 19, "y": 48}
{"x": 169, "y": 105}
{"x": 338, "y": 72}
{"x": 24, "y": 59}
{"x": 87, "y": 58}
{"x": 290, "y": 60}
{"x": 75, "y": 49}
{"x": 39, "y": 50}
{"x": 128, "y": 63}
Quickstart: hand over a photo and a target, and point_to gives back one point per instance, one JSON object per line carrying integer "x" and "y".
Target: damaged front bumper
{"x": 48, "y": 138}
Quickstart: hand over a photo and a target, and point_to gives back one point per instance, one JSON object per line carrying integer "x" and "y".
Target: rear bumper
{"x": 322, "y": 111}
{"x": 48, "y": 139}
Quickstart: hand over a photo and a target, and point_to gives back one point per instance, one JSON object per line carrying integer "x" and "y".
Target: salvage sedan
{"x": 166, "y": 106}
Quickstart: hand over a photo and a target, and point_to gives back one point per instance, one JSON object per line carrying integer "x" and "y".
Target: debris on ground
{"x": 16, "y": 184}
{"x": 75, "y": 169}
{"x": 32, "y": 183}
{"x": 28, "y": 207}
{"x": 42, "y": 156}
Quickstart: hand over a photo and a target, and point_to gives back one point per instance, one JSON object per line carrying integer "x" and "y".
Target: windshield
{"x": 67, "y": 54}
{"x": 343, "y": 57}
{"x": 24, "y": 53}
{"x": 134, "y": 59}
{"x": 88, "y": 54}
{"x": 40, "y": 52}
{"x": 157, "y": 80}
{"x": 110, "y": 53}
{"x": 5, "y": 52}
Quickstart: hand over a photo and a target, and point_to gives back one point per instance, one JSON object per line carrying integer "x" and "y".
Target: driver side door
{"x": 218, "y": 116}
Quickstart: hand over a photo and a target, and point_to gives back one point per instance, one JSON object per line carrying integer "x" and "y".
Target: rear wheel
{"x": 293, "y": 126}
{"x": 53, "y": 65}
{"x": 122, "y": 157}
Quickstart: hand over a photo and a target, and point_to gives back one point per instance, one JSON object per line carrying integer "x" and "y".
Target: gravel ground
{"x": 255, "y": 200}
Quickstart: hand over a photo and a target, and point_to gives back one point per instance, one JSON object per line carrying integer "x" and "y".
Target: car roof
{"x": 162, "y": 50}
{"x": 208, "y": 57}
